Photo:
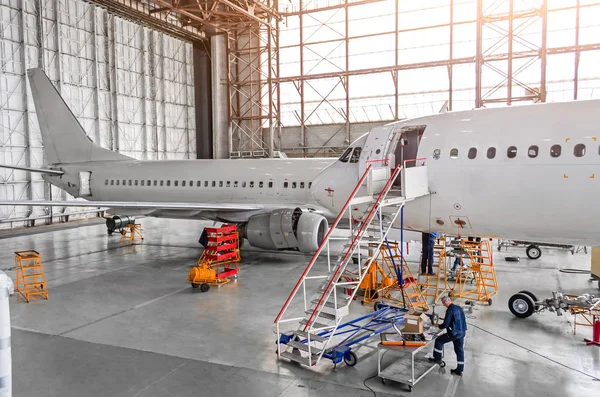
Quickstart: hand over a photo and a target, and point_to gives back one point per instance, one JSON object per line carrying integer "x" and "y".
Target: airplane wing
{"x": 139, "y": 205}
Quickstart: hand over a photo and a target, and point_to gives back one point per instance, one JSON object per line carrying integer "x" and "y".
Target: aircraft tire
{"x": 521, "y": 305}
{"x": 533, "y": 252}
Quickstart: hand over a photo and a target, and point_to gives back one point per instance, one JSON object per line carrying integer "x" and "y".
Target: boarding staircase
{"x": 315, "y": 320}
{"x": 434, "y": 286}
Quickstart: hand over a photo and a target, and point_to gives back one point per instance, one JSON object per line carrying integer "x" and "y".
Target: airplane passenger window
{"x": 235, "y": 184}
{"x": 130, "y": 182}
{"x": 301, "y": 185}
{"x": 228, "y": 183}
{"x": 191, "y": 183}
{"x": 214, "y": 183}
{"x": 142, "y": 182}
{"x": 118, "y": 182}
{"x": 198, "y": 183}
{"x": 220, "y": 183}
{"x": 511, "y": 152}
{"x": 355, "y": 155}
{"x": 309, "y": 184}
{"x": 149, "y": 182}
{"x": 136, "y": 182}
{"x": 155, "y": 182}
{"x": 168, "y": 182}
{"x": 161, "y": 183}
{"x": 555, "y": 151}
{"x": 106, "y": 181}
{"x": 285, "y": 184}
{"x": 454, "y": 153}
{"x": 293, "y": 185}
{"x": 183, "y": 183}
{"x": 176, "y": 183}
{"x": 260, "y": 184}
{"x": 251, "y": 183}
{"x": 112, "y": 182}
{"x": 243, "y": 183}
{"x": 472, "y": 153}
{"x": 270, "y": 184}
{"x": 205, "y": 183}
{"x": 346, "y": 155}
{"x": 491, "y": 152}
{"x": 532, "y": 152}
{"x": 579, "y": 150}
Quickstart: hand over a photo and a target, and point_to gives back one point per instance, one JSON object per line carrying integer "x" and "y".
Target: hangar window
{"x": 118, "y": 182}
{"x": 579, "y": 150}
{"x": 168, "y": 182}
{"x": 270, "y": 184}
{"x": 251, "y": 183}
{"x": 176, "y": 183}
{"x": 130, "y": 182}
{"x": 491, "y": 152}
{"x": 214, "y": 183}
{"x": 555, "y": 151}
{"x": 472, "y": 153}
{"x": 293, "y": 185}
{"x": 235, "y": 183}
{"x": 244, "y": 184}
{"x": 511, "y": 152}
{"x": 141, "y": 182}
{"x": 161, "y": 182}
{"x": 220, "y": 183}
{"x": 533, "y": 151}
{"x": 355, "y": 155}
{"x": 301, "y": 185}
{"x": 228, "y": 183}
{"x": 346, "y": 155}
{"x": 454, "y": 153}
{"x": 260, "y": 184}
{"x": 183, "y": 183}
{"x": 285, "y": 184}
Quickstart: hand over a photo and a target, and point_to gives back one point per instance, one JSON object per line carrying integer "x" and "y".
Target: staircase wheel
{"x": 350, "y": 359}
{"x": 377, "y": 306}
{"x": 204, "y": 287}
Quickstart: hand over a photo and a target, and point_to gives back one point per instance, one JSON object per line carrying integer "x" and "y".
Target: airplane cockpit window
{"x": 533, "y": 151}
{"x": 454, "y": 154}
{"x": 346, "y": 155}
{"x": 511, "y": 152}
{"x": 472, "y": 153}
{"x": 579, "y": 150}
{"x": 355, "y": 155}
{"x": 555, "y": 151}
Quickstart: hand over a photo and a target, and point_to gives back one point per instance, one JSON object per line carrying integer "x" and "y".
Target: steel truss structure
{"x": 345, "y": 62}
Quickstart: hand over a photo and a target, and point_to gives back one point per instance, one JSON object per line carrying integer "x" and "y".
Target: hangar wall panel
{"x": 130, "y": 87}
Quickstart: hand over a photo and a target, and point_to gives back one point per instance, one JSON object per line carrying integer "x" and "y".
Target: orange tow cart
{"x": 218, "y": 264}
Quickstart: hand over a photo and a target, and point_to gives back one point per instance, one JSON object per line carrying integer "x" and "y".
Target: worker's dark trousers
{"x": 428, "y": 244}
{"x": 458, "y": 341}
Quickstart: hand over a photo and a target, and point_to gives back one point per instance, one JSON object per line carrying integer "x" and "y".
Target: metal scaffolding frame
{"x": 505, "y": 60}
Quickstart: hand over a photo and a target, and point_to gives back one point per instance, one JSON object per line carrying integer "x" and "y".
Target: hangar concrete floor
{"x": 123, "y": 321}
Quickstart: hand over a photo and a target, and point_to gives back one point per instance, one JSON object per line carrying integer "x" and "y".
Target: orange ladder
{"x": 31, "y": 280}
{"x": 434, "y": 286}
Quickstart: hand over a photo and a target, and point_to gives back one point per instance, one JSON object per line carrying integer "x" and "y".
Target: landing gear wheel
{"x": 204, "y": 287}
{"x": 350, "y": 359}
{"x": 521, "y": 305}
{"x": 532, "y": 296}
{"x": 195, "y": 286}
{"x": 490, "y": 301}
{"x": 533, "y": 252}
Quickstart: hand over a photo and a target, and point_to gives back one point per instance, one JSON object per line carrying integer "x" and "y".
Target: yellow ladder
{"x": 131, "y": 233}
{"x": 31, "y": 280}
{"x": 435, "y": 286}
{"x": 481, "y": 270}
{"x": 409, "y": 294}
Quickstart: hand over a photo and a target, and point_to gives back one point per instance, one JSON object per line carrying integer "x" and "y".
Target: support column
{"x": 203, "y": 99}
{"x": 220, "y": 113}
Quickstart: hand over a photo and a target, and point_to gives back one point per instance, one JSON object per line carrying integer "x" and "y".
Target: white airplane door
{"x": 378, "y": 152}
{"x": 84, "y": 183}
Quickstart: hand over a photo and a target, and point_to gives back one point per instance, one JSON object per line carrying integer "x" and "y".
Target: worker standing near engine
{"x": 455, "y": 324}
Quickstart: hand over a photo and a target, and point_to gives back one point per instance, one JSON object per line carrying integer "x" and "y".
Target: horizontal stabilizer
{"x": 40, "y": 170}
{"x": 142, "y": 205}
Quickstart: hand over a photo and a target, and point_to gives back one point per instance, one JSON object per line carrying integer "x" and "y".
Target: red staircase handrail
{"x": 349, "y": 249}
{"x": 325, "y": 240}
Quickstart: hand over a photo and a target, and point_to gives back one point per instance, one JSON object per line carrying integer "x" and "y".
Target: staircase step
{"x": 418, "y": 304}
{"x": 304, "y": 347}
{"x": 362, "y": 200}
{"x": 316, "y": 325}
{"x": 328, "y": 304}
{"x": 313, "y": 337}
{"x": 324, "y": 315}
{"x": 298, "y": 358}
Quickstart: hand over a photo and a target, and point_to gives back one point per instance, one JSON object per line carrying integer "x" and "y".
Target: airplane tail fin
{"x": 64, "y": 139}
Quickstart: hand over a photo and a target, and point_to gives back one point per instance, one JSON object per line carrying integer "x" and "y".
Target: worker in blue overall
{"x": 428, "y": 243}
{"x": 456, "y": 329}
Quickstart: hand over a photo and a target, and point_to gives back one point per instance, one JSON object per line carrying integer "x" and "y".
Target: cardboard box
{"x": 414, "y": 322}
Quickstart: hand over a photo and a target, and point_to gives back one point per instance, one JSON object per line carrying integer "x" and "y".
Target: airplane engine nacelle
{"x": 286, "y": 229}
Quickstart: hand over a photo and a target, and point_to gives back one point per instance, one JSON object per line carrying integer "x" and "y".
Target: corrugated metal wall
{"x": 130, "y": 87}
